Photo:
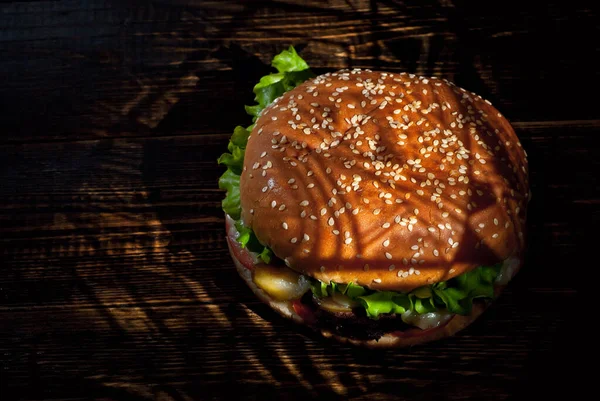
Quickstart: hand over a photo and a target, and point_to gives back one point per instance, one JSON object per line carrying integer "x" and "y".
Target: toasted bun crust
{"x": 389, "y": 340}
{"x": 391, "y": 181}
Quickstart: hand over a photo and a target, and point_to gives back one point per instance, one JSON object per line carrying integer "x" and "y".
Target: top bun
{"x": 391, "y": 181}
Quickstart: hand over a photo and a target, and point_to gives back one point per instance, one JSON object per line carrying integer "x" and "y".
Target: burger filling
{"x": 357, "y": 311}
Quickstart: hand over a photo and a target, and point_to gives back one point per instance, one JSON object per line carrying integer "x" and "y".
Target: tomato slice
{"x": 304, "y": 312}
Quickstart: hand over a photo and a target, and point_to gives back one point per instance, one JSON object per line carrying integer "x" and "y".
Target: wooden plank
{"x": 206, "y": 351}
{"x": 104, "y": 69}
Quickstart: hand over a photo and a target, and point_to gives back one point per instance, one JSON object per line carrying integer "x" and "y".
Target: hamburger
{"x": 380, "y": 209}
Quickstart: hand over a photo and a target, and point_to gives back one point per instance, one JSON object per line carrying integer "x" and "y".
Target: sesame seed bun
{"x": 391, "y": 181}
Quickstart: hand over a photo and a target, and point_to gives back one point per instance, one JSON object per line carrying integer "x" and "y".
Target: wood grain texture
{"x": 102, "y": 68}
{"x": 115, "y": 280}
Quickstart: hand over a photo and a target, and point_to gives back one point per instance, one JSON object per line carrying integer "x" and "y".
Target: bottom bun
{"x": 388, "y": 340}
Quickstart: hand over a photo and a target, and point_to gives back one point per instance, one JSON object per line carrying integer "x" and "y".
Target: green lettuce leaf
{"x": 353, "y": 290}
{"x": 247, "y": 239}
{"x": 288, "y": 60}
{"x": 292, "y": 71}
{"x": 455, "y": 295}
{"x": 239, "y": 138}
{"x": 234, "y": 160}
{"x": 266, "y": 254}
{"x": 381, "y": 302}
{"x": 272, "y": 86}
{"x": 319, "y": 288}
{"x": 422, "y": 305}
{"x": 230, "y": 181}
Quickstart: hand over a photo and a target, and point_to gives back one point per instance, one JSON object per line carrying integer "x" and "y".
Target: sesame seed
{"x": 385, "y": 225}
{"x": 330, "y": 221}
{"x": 294, "y": 240}
{"x": 376, "y": 211}
{"x": 304, "y": 203}
{"x": 273, "y": 204}
{"x": 436, "y": 252}
{"x": 386, "y": 243}
{"x": 388, "y": 255}
{"x": 284, "y": 225}
{"x": 348, "y": 240}
{"x": 495, "y": 235}
{"x": 305, "y": 237}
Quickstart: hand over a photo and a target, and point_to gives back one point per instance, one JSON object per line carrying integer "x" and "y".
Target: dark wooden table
{"x": 115, "y": 281}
